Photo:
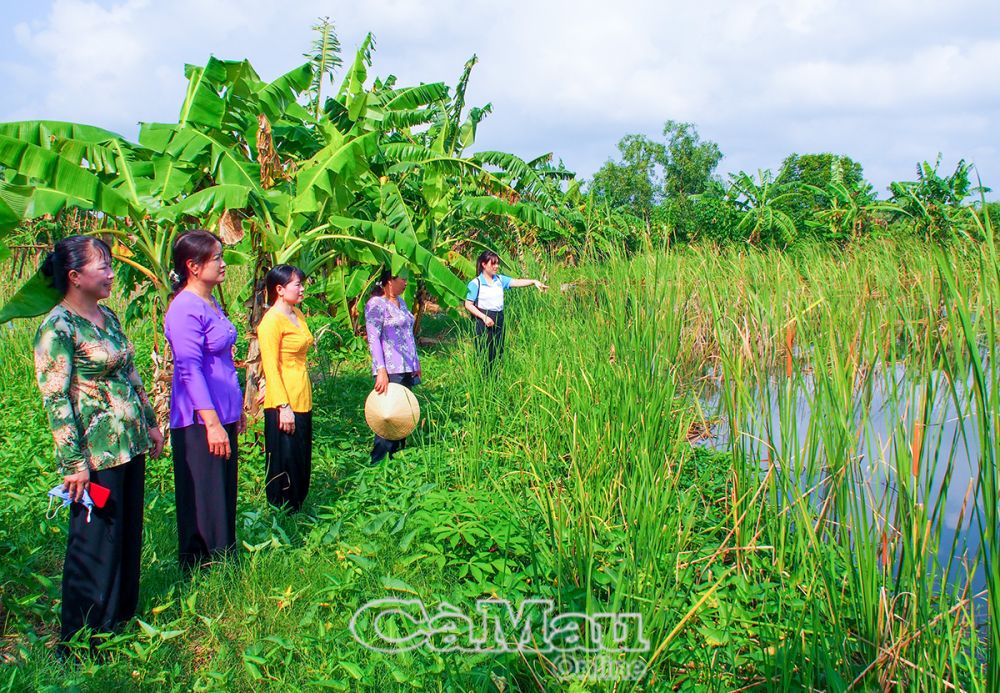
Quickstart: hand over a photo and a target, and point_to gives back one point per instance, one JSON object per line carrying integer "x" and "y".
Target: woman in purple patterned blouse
{"x": 206, "y": 406}
{"x": 394, "y": 351}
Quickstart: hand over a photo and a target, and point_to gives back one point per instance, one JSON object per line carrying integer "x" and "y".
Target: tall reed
{"x": 846, "y": 382}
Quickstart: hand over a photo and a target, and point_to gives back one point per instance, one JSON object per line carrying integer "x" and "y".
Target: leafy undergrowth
{"x": 278, "y": 614}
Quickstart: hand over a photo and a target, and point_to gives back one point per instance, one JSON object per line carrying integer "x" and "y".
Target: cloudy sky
{"x": 888, "y": 82}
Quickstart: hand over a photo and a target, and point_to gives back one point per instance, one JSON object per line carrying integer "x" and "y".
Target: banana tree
{"x": 448, "y": 199}
{"x": 933, "y": 202}
{"x": 378, "y": 177}
{"x": 759, "y": 203}
{"x": 849, "y": 212}
{"x": 390, "y": 184}
{"x": 191, "y": 172}
{"x": 52, "y": 166}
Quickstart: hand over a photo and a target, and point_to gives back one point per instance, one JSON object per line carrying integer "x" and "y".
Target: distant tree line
{"x": 670, "y": 189}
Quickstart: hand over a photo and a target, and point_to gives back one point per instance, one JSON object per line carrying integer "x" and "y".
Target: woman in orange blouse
{"x": 284, "y": 339}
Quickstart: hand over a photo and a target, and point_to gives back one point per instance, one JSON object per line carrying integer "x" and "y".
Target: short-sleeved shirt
{"x": 202, "y": 340}
{"x": 95, "y": 401}
{"x": 489, "y": 293}
{"x": 283, "y": 349}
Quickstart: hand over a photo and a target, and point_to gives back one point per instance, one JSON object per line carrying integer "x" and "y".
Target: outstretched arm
{"x": 528, "y": 282}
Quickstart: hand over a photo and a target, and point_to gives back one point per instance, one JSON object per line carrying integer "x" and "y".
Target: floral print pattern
{"x": 95, "y": 401}
{"x": 390, "y": 336}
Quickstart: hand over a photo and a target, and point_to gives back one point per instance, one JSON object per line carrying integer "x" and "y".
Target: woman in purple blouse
{"x": 394, "y": 351}
{"x": 206, "y": 405}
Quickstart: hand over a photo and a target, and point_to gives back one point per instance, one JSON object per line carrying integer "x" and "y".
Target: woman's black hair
{"x": 484, "y": 257}
{"x": 72, "y": 253}
{"x": 280, "y": 275}
{"x": 383, "y": 278}
{"x": 196, "y": 245}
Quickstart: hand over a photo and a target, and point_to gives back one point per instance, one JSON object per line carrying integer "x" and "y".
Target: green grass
{"x": 568, "y": 475}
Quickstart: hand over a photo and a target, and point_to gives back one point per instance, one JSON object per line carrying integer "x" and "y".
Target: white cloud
{"x": 886, "y": 81}
{"x": 936, "y": 77}
{"x": 94, "y": 57}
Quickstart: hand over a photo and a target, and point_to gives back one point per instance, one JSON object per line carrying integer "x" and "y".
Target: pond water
{"x": 881, "y": 416}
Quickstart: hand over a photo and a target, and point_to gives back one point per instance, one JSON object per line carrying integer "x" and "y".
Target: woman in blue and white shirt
{"x": 484, "y": 300}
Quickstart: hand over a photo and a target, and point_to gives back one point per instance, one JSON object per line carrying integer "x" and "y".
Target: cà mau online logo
{"x": 398, "y": 625}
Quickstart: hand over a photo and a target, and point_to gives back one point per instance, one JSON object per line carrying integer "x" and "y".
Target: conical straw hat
{"x": 393, "y": 414}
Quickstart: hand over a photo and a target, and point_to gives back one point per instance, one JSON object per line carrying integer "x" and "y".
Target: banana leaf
{"x": 63, "y": 177}
{"x": 36, "y": 297}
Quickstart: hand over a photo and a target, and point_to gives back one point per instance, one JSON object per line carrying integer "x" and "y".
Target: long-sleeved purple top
{"x": 202, "y": 340}
{"x": 390, "y": 336}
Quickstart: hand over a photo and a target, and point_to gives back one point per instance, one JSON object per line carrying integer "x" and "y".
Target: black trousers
{"x": 382, "y": 446}
{"x": 100, "y": 587}
{"x": 205, "y": 489}
{"x": 289, "y": 460}
{"x": 490, "y": 339}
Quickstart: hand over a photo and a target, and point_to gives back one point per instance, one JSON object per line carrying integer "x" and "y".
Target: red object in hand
{"x": 99, "y": 494}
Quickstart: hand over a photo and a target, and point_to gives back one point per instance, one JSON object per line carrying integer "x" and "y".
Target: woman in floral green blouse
{"x": 103, "y": 425}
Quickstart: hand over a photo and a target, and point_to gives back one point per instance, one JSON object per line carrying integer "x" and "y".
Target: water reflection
{"x": 873, "y": 430}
